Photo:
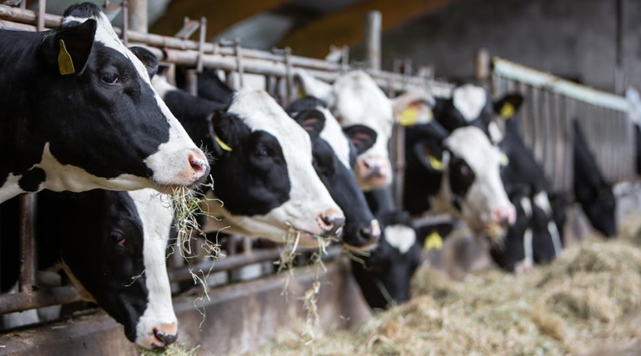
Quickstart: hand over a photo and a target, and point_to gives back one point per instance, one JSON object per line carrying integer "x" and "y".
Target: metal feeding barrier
{"x": 546, "y": 123}
{"x": 275, "y": 71}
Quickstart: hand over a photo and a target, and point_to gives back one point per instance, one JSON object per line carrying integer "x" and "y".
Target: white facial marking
{"x": 333, "y": 134}
{"x": 156, "y": 215}
{"x": 401, "y": 237}
{"x": 526, "y": 204}
{"x": 469, "y": 100}
{"x": 556, "y": 238}
{"x": 487, "y": 193}
{"x": 541, "y": 200}
{"x": 308, "y": 196}
{"x": 170, "y": 163}
{"x": 495, "y": 133}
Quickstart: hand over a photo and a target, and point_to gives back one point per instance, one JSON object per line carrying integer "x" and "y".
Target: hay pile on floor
{"x": 589, "y": 297}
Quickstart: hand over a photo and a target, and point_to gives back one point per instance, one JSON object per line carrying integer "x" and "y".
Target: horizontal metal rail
{"x": 17, "y": 302}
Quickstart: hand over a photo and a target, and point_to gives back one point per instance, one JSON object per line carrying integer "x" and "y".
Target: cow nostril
{"x": 330, "y": 223}
{"x": 200, "y": 168}
{"x": 367, "y": 234}
{"x": 165, "y": 338}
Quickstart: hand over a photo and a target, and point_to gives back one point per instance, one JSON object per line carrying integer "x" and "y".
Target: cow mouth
{"x": 494, "y": 231}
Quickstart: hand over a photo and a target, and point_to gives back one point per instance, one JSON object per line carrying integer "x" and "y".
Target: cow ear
{"x": 362, "y": 137}
{"x": 147, "y": 58}
{"x": 508, "y": 106}
{"x": 313, "y": 121}
{"x": 70, "y": 46}
{"x": 432, "y": 157}
{"x": 314, "y": 87}
{"x": 218, "y": 124}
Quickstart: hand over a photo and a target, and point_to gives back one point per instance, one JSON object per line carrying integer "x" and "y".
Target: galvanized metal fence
{"x": 546, "y": 119}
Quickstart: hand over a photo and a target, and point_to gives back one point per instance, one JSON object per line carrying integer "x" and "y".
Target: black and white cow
{"x": 595, "y": 195}
{"x": 112, "y": 245}
{"x": 384, "y": 275}
{"x": 356, "y": 99}
{"x": 79, "y": 113}
{"x": 334, "y": 155}
{"x": 523, "y": 178}
{"x": 456, "y": 173}
{"x": 263, "y": 166}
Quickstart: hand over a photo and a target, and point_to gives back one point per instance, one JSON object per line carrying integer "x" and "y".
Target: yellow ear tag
{"x": 504, "y": 160}
{"x": 65, "y": 63}
{"x": 435, "y": 163}
{"x": 507, "y": 111}
{"x": 222, "y": 144}
{"x": 434, "y": 241}
{"x": 409, "y": 117}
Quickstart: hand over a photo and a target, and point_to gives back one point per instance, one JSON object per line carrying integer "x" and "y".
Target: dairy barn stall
{"x": 306, "y": 177}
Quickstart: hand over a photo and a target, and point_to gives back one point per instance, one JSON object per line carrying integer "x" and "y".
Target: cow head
{"x": 600, "y": 208}
{"x": 123, "y": 267}
{"x": 265, "y": 174}
{"x": 385, "y": 275}
{"x": 356, "y": 99}
{"x": 334, "y": 156}
{"x": 466, "y": 167}
{"x": 100, "y": 122}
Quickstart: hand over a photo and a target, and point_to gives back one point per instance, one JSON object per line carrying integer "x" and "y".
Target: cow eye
{"x": 118, "y": 237}
{"x": 110, "y": 78}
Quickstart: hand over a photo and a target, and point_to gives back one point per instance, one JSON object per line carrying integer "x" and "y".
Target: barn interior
{"x": 570, "y": 61}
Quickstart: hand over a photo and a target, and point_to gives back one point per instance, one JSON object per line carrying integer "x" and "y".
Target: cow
{"x": 79, "y": 113}
{"x": 112, "y": 246}
{"x": 384, "y": 275}
{"x": 356, "y": 99}
{"x": 591, "y": 190}
{"x": 523, "y": 178}
{"x": 335, "y": 153}
{"x": 456, "y": 173}
{"x": 263, "y": 166}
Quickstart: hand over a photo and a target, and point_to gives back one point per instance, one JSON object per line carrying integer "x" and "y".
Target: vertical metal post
{"x": 138, "y": 19}
{"x": 191, "y": 82}
{"x": 27, "y": 242}
{"x": 23, "y": 4}
{"x": 373, "y": 39}
{"x": 42, "y": 6}
{"x": 482, "y": 67}
{"x": 345, "y": 59}
{"x": 619, "y": 73}
{"x": 201, "y": 43}
{"x": 239, "y": 61}
{"x": 289, "y": 76}
{"x": 125, "y": 22}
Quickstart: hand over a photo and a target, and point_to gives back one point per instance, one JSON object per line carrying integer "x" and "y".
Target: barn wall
{"x": 570, "y": 38}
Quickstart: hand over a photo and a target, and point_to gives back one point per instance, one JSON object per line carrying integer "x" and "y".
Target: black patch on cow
{"x": 31, "y": 179}
{"x": 83, "y": 10}
{"x": 461, "y": 177}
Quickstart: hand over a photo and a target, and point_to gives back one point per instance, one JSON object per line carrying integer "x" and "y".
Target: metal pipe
{"x": 17, "y": 302}
{"x": 42, "y": 7}
{"x": 27, "y": 243}
{"x": 191, "y": 82}
{"x": 125, "y": 23}
{"x": 138, "y": 17}
{"x": 201, "y": 43}
{"x": 482, "y": 67}
{"x": 373, "y": 26}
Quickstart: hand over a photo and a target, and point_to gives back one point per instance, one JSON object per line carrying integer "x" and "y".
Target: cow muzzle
{"x": 375, "y": 172}
{"x": 331, "y": 223}
{"x": 500, "y": 220}
{"x": 366, "y": 238}
{"x": 160, "y": 336}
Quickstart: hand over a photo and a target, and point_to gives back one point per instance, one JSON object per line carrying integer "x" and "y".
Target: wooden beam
{"x": 220, "y": 14}
{"x": 347, "y": 27}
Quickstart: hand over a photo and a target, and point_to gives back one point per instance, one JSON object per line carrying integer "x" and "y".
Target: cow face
{"x": 334, "y": 156}
{"x": 385, "y": 275}
{"x": 601, "y": 208}
{"x": 122, "y": 268}
{"x": 94, "y": 121}
{"x": 471, "y": 186}
{"x": 265, "y": 174}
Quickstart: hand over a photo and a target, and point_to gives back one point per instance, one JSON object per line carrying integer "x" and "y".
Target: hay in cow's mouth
{"x": 172, "y": 350}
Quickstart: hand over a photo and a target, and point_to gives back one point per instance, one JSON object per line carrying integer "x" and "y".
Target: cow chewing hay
{"x": 586, "y": 300}
{"x": 172, "y": 350}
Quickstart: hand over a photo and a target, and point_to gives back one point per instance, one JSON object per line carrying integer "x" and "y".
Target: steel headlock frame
{"x": 551, "y": 105}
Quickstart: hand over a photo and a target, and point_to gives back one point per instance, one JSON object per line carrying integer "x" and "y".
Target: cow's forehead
{"x": 401, "y": 237}
{"x": 469, "y": 100}
{"x": 106, "y": 35}
{"x": 360, "y": 101}
{"x": 333, "y": 134}
{"x": 259, "y": 111}
{"x": 471, "y": 144}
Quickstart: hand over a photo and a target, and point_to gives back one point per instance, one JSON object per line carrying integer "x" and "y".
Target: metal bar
{"x": 42, "y": 6}
{"x": 201, "y": 44}
{"x": 373, "y": 39}
{"x": 17, "y": 302}
{"x": 482, "y": 66}
{"x": 138, "y": 17}
{"x": 27, "y": 243}
{"x": 125, "y": 22}
{"x": 191, "y": 82}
